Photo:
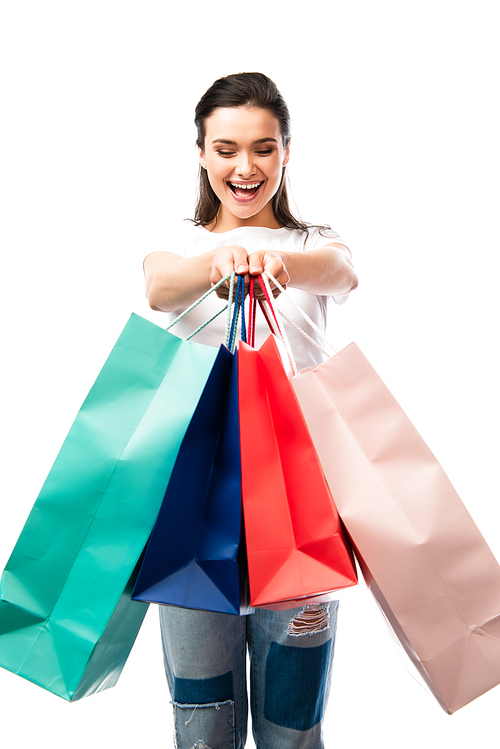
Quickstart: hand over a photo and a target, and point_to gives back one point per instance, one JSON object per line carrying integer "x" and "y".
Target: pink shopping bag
{"x": 421, "y": 554}
{"x": 424, "y": 559}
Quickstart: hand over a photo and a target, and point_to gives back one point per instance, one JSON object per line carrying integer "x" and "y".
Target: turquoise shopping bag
{"x": 66, "y": 619}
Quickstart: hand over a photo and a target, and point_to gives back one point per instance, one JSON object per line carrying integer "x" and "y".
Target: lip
{"x": 248, "y": 199}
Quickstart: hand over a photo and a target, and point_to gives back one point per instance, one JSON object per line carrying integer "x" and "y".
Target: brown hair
{"x": 240, "y": 90}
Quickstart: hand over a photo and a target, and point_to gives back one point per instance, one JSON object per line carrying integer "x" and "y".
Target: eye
{"x": 225, "y": 154}
{"x": 265, "y": 152}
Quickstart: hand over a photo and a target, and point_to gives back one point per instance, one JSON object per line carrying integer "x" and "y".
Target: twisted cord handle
{"x": 268, "y": 310}
{"x": 204, "y": 296}
{"x": 304, "y": 315}
{"x": 239, "y": 309}
{"x": 264, "y": 283}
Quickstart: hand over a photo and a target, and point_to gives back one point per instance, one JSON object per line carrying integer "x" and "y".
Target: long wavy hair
{"x": 240, "y": 90}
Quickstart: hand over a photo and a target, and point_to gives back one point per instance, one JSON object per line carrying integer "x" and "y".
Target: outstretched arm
{"x": 325, "y": 271}
{"x": 174, "y": 282}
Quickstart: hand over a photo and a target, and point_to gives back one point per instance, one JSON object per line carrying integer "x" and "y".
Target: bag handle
{"x": 268, "y": 312}
{"x": 239, "y": 309}
{"x": 268, "y": 309}
{"x": 304, "y": 315}
{"x": 219, "y": 312}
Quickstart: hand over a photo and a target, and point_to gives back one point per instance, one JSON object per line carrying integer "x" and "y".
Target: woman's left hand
{"x": 267, "y": 261}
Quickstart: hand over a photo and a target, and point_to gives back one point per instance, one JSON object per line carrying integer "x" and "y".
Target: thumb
{"x": 256, "y": 263}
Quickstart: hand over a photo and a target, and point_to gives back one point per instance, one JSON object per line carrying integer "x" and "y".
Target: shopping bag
{"x": 424, "y": 559}
{"x": 195, "y": 556}
{"x": 66, "y": 619}
{"x": 296, "y": 546}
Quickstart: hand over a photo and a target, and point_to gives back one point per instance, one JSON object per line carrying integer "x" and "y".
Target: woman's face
{"x": 244, "y": 157}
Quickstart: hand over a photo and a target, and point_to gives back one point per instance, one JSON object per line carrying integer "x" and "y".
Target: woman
{"x": 243, "y": 223}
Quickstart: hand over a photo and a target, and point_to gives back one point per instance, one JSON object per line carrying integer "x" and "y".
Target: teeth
{"x": 245, "y": 186}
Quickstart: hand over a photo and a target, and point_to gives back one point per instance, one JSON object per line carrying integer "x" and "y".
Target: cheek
{"x": 277, "y": 171}
{"x": 215, "y": 178}
{"x": 218, "y": 172}
{"x": 278, "y": 177}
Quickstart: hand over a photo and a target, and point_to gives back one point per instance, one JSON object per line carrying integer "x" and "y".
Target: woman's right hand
{"x": 226, "y": 260}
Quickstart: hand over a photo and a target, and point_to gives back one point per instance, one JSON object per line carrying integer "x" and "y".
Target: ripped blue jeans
{"x": 291, "y": 655}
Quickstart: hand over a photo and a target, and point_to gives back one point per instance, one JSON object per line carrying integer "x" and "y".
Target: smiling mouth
{"x": 245, "y": 191}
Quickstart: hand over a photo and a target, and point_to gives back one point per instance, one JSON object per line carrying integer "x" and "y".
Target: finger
{"x": 256, "y": 263}
{"x": 222, "y": 292}
{"x": 228, "y": 260}
{"x": 239, "y": 258}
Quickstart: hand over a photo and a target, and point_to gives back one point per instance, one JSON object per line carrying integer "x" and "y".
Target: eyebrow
{"x": 233, "y": 142}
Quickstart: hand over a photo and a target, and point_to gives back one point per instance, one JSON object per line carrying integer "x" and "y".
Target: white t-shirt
{"x": 191, "y": 240}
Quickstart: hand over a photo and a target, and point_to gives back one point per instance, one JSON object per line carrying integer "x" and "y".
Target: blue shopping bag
{"x": 195, "y": 556}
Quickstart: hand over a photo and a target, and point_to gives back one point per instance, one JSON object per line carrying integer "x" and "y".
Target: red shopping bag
{"x": 296, "y": 546}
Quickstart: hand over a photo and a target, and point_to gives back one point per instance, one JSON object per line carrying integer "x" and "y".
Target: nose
{"x": 245, "y": 166}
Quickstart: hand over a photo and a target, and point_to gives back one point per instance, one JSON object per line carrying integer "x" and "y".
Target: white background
{"x": 395, "y": 143}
